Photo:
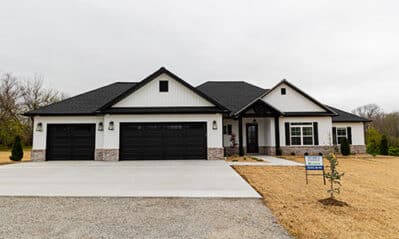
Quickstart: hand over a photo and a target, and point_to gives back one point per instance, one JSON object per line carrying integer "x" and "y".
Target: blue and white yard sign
{"x": 314, "y": 163}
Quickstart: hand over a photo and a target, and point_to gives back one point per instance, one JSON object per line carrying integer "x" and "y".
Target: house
{"x": 164, "y": 117}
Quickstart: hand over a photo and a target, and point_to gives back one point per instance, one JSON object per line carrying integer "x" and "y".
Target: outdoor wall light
{"x": 254, "y": 121}
{"x": 100, "y": 126}
{"x": 39, "y": 127}
{"x": 111, "y": 125}
{"x": 214, "y": 125}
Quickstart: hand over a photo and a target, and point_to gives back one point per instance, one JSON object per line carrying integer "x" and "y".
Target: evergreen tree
{"x": 345, "y": 147}
{"x": 384, "y": 145}
{"x": 17, "y": 152}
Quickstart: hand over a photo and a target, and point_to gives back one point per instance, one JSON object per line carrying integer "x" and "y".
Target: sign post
{"x": 314, "y": 163}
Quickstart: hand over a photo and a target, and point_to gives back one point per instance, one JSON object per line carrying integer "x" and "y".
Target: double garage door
{"x": 147, "y": 141}
{"x": 138, "y": 141}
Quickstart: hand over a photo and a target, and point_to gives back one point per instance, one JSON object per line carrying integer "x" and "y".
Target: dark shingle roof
{"x": 86, "y": 103}
{"x": 234, "y": 95}
{"x": 344, "y": 116}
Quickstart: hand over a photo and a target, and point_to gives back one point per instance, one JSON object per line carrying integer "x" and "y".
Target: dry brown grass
{"x": 243, "y": 159}
{"x": 4, "y": 157}
{"x": 370, "y": 187}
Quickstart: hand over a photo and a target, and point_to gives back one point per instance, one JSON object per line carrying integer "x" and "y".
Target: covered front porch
{"x": 254, "y": 130}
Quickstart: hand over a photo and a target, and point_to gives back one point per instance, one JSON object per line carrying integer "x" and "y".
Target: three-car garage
{"x": 137, "y": 141}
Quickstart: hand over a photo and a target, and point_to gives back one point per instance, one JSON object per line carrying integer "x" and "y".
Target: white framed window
{"x": 301, "y": 133}
{"x": 342, "y": 133}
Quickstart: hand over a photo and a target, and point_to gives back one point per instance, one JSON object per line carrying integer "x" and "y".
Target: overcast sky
{"x": 343, "y": 53}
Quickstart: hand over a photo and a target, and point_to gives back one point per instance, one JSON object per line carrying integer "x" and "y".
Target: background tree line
{"x": 17, "y": 97}
{"x": 382, "y": 134}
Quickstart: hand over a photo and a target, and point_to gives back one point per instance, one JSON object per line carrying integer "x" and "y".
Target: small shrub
{"x": 394, "y": 151}
{"x": 17, "y": 152}
{"x": 345, "y": 148}
{"x": 384, "y": 145}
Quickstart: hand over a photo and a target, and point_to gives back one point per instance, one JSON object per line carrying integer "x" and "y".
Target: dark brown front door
{"x": 252, "y": 138}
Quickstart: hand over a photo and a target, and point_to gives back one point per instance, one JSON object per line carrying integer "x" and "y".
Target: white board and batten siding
{"x": 178, "y": 95}
{"x": 292, "y": 101}
{"x": 324, "y": 128}
{"x": 109, "y": 139}
{"x": 214, "y": 139}
{"x": 357, "y": 129}
{"x": 40, "y": 137}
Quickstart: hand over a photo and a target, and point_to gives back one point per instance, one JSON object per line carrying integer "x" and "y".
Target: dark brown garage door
{"x": 70, "y": 142}
{"x": 147, "y": 141}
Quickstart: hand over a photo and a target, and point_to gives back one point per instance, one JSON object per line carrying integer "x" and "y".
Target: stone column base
{"x": 268, "y": 150}
{"x": 358, "y": 149}
{"x": 230, "y": 151}
{"x": 38, "y": 155}
{"x": 215, "y": 154}
{"x": 107, "y": 155}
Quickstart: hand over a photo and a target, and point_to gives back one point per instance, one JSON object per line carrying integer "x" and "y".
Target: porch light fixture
{"x": 39, "y": 127}
{"x": 111, "y": 125}
{"x": 100, "y": 126}
{"x": 214, "y": 125}
{"x": 254, "y": 121}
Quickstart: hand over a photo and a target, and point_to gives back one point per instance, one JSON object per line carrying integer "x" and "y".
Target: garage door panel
{"x": 70, "y": 141}
{"x": 162, "y": 141}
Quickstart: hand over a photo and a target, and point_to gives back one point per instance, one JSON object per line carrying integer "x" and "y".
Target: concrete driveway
{"x": 183, "y": 178}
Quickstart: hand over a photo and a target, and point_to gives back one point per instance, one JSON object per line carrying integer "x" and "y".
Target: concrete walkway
{"x": 168, "y": 178}
{"x": 268, "y": 161}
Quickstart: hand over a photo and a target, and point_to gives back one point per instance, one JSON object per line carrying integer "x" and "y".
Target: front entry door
{"x": 252, "y": 138}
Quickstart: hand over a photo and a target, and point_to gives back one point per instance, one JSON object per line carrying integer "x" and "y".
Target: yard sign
{"x": 314, "y": 163}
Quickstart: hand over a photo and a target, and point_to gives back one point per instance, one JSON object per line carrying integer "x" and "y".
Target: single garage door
{"x": 146, "y": 141}
{"x": 70, "y": 141}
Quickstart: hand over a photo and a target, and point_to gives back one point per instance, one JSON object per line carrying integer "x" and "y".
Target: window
{"x": 296, "y": 135}
{"x": 307, "y": 133}
{"x": 301, "y": 133}
{"x": 341, "y": 134}
{"x": 163, "y": 86}
{"x": 283, "y": 91}
{"x": 227, "y": 129}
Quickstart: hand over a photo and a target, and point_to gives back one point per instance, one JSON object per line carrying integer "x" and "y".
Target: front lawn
{"x": 5, "y": 156}
{"x": 370, "y": 187}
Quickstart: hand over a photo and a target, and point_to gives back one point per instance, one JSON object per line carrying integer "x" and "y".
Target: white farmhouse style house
{"x": 164, "y": 117}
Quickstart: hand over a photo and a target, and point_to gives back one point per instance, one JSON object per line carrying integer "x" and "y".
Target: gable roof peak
{"x": 153, "y": 76}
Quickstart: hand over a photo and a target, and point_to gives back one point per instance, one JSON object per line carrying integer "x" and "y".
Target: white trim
{"x": 301, "y": 126}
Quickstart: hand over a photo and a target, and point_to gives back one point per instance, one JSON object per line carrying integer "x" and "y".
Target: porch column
{"x": 277, "y": 132}
{"x": 240, "y": 143}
